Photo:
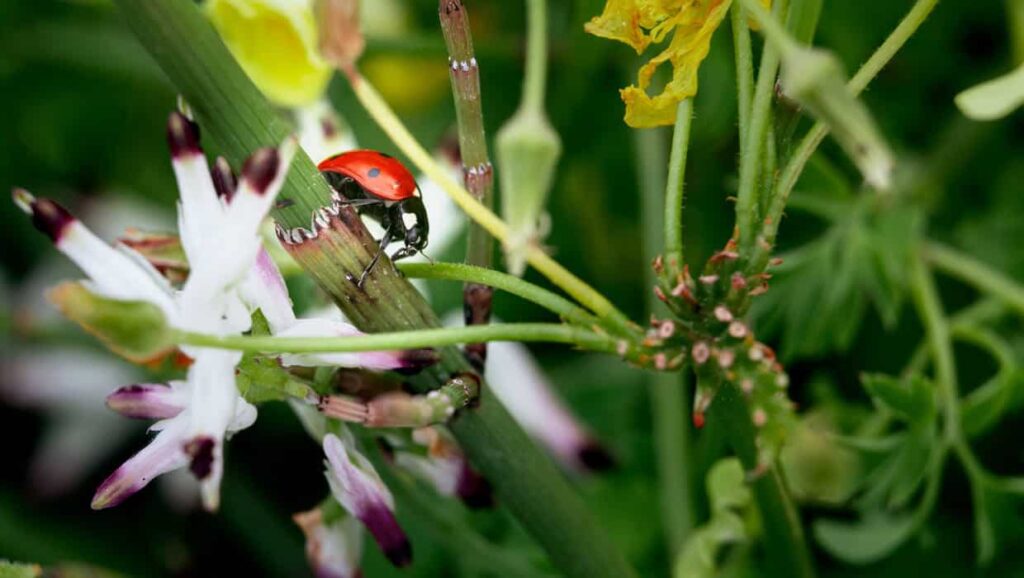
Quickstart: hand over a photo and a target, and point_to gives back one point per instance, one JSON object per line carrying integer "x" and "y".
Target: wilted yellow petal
{"x": 276, "y": 42}
{"x": 694, "y": 27}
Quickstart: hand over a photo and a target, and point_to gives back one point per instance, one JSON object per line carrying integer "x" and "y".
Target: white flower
{"x": 220, "y": 238}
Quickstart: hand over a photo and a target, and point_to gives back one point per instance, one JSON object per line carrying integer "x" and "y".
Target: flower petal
{"x": 359, "y": 490}
{"x": 162, "y": 455}
{"x": 333, "y": 550}
{"x": 264, "y": 288}
{"x": 200, "y": 211}
{"x": 519, "y": 383}
{"x": 117, "y": 273}
{"x": 149, "y": 400}
{"x": 993, "y": 99}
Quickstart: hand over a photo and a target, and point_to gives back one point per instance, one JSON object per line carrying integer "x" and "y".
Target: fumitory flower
{"x": 333, "y": 548}
{"x": 640, "y": 23}
{"x": 359, "y": 489}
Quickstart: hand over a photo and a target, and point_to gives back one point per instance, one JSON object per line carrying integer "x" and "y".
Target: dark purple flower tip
{"x": 182, "y": 136}
{"x": 47, "y": 216}
{"x": 416, "y": 360}
{"x": 381, "y": 523}
{"x": 473, "y": 489}
{"x": 595, "y": 458}
{"x": 261, "y": 168}
{"x": 224, "y": 180}
{"x": 144, "y": 401}
{"x": 200, "y": 452}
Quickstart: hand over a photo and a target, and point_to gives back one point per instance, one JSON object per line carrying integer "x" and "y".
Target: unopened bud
{"x": 815, "y": 79}
{"x": 527, "y": 149}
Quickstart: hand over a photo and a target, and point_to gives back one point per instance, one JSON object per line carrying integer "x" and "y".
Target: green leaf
{"x": 728, "y": 493}
{"x": 866, "y": 541}
{"x": 982, "y": 408}
{"x": 912, "y": 401}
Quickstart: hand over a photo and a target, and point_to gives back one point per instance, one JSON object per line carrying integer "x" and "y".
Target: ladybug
{"x": 380, "y": 187}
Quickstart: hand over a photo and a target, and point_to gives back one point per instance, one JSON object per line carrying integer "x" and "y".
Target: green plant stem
{"x": 973, "y": 272}
{"x": 675, "y": 188}
{"x": 237, "y": 117}
{"x": 536, "y": 55}
{"x": 508, "y": 283}
{"x": 555, "y": 272}
{"x": 667, "y": 391}
{"x": 784, "y": 542}
{"x": 752, "y": 152}
{"x": 744, "y": 58}
{"x": 795, "y": 167}
{"x": 936, "y": 327}
{"x": 436, "y": 337}
{"x": 477, "y": 171}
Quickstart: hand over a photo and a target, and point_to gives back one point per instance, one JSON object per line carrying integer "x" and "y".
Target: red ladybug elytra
{"x": 380, "y": 187}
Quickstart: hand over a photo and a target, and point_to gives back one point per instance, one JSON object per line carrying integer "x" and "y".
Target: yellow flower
{"x": 640, "y": 23}
{"x": 276, "y": 42}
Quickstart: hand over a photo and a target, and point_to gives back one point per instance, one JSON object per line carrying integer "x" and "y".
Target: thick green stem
{"x": 675, "y": 192}
{"x": 667, "y": 392}
{"x": 498, "y": 280}
{"x": 783, "y": 535}
{"x": 753, "y": 150}
{"x": 795, "y": 167}
{"x": 436, "y": 337}
{"x": 232, "y": 111}
{"x": 973, "y": 272}
{"x": 477, "y": 172}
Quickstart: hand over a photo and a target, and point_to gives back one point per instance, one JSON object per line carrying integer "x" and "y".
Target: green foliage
{"x": 729, "y": 499}
{"x": 861, "y": 259}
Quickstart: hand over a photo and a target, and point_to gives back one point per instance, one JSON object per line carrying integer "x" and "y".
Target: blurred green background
{"x": 84, "y": 111}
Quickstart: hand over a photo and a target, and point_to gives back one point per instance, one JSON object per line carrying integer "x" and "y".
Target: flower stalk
{"x": 477, "y": 172}
{"x": 239, "y": 119}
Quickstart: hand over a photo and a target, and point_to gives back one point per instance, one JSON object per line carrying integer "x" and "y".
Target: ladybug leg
{"x": 384, "y": 240}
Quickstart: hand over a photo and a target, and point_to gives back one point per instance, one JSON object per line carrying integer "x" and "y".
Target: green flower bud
{"x": 136, "y": 330}
{"x": 815, "y": 79}
{"x": 528, "y": 149}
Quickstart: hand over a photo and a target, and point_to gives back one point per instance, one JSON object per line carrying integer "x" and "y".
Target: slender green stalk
{"x": 752, "y": 152}
{"x": 667, "y": 392}
{"x": 498, "y": 280}
{"x": 936, "y": 327}
{"x": 794, "y": 168}
{"x": 555, "y": 272}
{"x": 477, "y": 172}
{"x": 234, "y": 114}
{"x": 744, "y": 57}
{"x": 536, "y": 55}
{"x": 973, "y": 272}
{"x": 675, "y": 191}
{"x": 784, "y": 542}
{"x": 437, "y": 337}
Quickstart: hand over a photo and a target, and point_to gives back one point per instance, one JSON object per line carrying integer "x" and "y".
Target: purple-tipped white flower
{"x": 220, "y": 236}
{"x": 445, "y": 468}
{"x": 333, "y": 550}
{"x": 149, "y": 400}
{"x": 522, "y": 387}
{"x": 357, "y": 487}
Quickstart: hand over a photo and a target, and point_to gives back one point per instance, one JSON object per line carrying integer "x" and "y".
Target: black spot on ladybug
{"x": 374, "y": 172}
